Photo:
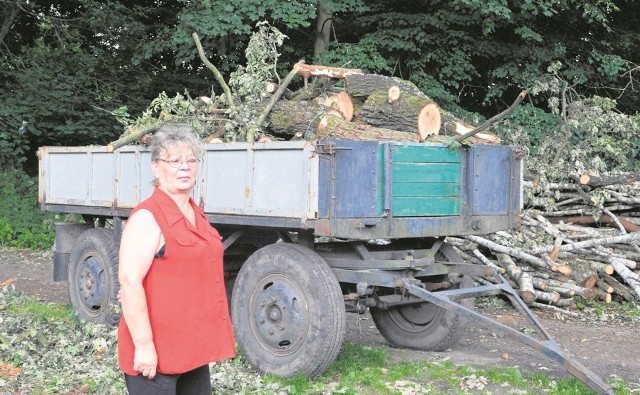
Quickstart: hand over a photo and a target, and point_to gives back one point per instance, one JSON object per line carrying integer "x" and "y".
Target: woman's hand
{"x": 145, "y": 361}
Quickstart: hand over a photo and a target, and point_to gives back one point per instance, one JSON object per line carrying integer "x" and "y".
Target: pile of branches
{"x": 579, "y": 239}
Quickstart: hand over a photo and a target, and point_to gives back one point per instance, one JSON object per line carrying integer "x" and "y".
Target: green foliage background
{"x": 72, "y": 72}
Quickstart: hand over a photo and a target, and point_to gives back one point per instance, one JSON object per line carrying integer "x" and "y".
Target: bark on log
{"x": 403, "y": 114}
{"x": 363, "y": 85}
{"x": 556, "y": 309}
{"x": 627, "y": 275}
{"x": 130, "y": 138}
{"x": 530, "y": 259}
{"x": 584, "y": 275}
{"x": 629, "y": 238}
{"x": 524, "y": 281}
{"x": 307, "y": 70}
{"x": 550, "y": 297}
{"x": 336, "y": 127}
{"x": 618, "y": 287}
{"x": 602, "y": 181}
{"x": 605, "y": 219}
{"x": 291, "y": 117}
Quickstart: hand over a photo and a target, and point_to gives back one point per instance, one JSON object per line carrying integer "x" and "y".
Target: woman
{"x": 175, "y": 314}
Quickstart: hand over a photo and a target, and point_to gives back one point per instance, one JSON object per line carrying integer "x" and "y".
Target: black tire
{"x": 425, "y": 326}
{"x": 93, "y": 277}
{"x": 287, "y": 311}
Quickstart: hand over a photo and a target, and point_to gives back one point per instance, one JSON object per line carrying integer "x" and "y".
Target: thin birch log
{"x": 618, "y": 288}
{"x": 487, "y": 262}
{"x": 525, "y": 284}
{"x": 530, "y": 259}
{"x": 555, "y": 309}
{"x": 632, "y": 279}
{"x": 628, "y": 238}
{"x": 550, "y": 297}
{"x": 601, "y": 284}
{"x": 566, "y": 302}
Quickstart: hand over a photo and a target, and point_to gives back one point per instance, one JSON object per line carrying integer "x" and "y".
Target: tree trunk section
{"x": 403, "y": 114}
{"x": 324, "y": 23}
{"x": 363, "y": 85}
{"x": 291, "y": 117}
{"x": 336, "y": 127}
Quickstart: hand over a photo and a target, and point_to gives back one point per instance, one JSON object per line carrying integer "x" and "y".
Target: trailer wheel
{"x": 287, "y": 311}
{"x": 93, "y": 277}
{"x": 424, "y": 326}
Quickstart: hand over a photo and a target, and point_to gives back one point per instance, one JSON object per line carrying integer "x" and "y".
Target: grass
{"x": 45, "y": 341}
{"x": 364, "y": 370}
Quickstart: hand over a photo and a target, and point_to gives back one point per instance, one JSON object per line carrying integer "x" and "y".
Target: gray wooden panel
{"x": 277, "y": 179}
{"x": 69, "y": 177}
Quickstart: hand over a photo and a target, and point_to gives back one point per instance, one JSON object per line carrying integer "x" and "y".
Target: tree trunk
{"x": 291, "y": 117}
{"x": 8, "y": 21}
{"x": 324, "y": 24}
{"x": 363, "y": 85}
{"x": 336, "y": 127}
{"x": 403, "y": 114}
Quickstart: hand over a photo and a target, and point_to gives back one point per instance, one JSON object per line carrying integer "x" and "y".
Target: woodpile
{"x": 341, "y": 103}
{"x": 563, "y": 250}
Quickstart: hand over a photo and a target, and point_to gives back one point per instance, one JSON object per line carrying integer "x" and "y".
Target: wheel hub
{"x": 278, "y": 319}
{"x": 91, "y": 283}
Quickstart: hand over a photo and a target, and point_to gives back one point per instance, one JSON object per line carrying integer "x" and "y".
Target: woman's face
{"x": 176, "y": 169}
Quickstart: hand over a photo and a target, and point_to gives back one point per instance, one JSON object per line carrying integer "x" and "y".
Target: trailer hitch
{"x": 447, "y": 300}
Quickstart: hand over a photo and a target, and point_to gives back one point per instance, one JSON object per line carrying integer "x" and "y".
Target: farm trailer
{"x": 311, "y": 230}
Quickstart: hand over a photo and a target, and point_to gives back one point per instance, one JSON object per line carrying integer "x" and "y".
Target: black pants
{"x": 193, "y": 382}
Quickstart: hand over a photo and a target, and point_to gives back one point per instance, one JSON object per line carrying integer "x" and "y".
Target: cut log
{"x": 550, "y": 297}
{"x": 605, "y": 219}
{"x": 428, "y": 121}
{"x": 307, "y": 70}
{"x": 270, "y": 87}
{"x": 393, "y": 94}
{"x": 333, "y": 126}
{"x": 524, "y": 281}
{"x": 291, "y": 117}
{"x": 584, "y": 275}
{"x": 403, "y": 115}
{"x": 453, "y": 126}
{"x": 341, "y": 102}
{"x": 363, "y": 85}
{"x": 516, "y": 253}
{"x": 627, "y": 275}
{"x": 601, "y": 181}
{"x": 618, "y": 288}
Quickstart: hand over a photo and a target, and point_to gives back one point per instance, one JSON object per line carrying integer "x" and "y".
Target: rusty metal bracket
{"x": 447, "y": 300}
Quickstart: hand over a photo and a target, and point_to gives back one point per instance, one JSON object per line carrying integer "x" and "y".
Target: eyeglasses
{"x": 176, "y": 163}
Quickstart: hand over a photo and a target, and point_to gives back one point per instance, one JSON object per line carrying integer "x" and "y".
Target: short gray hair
{"x": 170, "y": 134}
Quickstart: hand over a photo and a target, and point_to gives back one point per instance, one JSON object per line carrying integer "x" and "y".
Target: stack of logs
{"x": 561, "y": 251}
{"x": 365, "y": 107}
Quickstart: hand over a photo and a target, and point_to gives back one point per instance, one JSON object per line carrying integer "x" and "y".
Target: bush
{"x": 22, "y": 223}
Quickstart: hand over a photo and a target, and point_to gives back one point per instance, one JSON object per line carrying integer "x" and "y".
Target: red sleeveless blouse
{"x": 185, "y": 292}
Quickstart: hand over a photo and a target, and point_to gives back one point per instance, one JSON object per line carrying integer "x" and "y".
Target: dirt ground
{"x": 609, "y": 344}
